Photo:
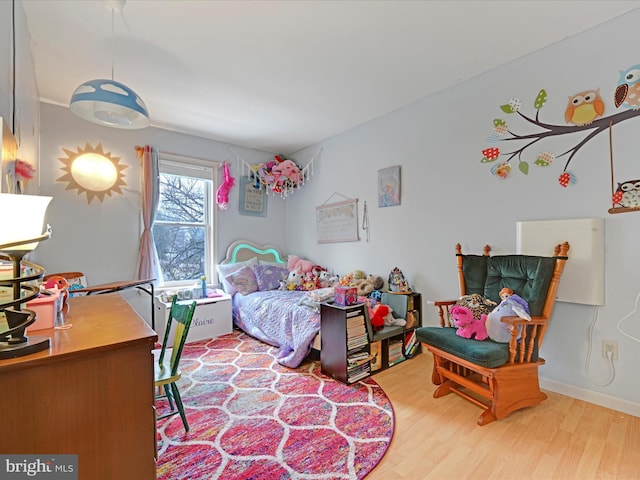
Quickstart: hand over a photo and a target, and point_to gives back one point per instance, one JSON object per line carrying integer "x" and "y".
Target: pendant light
{"x": 108, "y": 102}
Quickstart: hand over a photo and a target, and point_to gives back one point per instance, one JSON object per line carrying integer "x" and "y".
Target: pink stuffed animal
{"x": 294, "y": 262}
{"x": 467, "y": 325}
{"x": 222, "y": 195}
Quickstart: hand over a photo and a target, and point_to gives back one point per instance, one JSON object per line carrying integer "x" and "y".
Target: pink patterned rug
{"x": 251, "y": 418}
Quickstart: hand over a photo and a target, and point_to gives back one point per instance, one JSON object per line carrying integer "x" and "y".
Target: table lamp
{"x": 22, "y": 218}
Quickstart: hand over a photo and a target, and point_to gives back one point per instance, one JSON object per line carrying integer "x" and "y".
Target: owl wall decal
{"x": 584, "y": 107}
{"x": 628, "y": 89}
{"x": 628, "y": 194}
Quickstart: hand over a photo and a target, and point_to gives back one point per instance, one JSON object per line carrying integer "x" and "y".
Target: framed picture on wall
{"x": 337, "y": 222}
{"x": 389, "y": 186}
{"x": 253, "y": 201}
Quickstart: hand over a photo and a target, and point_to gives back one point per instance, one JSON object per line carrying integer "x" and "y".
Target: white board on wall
{"x": 583, "y": 277}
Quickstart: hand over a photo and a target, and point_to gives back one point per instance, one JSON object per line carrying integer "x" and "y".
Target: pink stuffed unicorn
{"x": 222, "y": 195}
{"x": 467, "y": 325}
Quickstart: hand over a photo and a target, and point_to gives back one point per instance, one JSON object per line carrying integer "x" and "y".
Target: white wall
{"x": 101, "y": 239}
{"x": 24, "y": 122}
{"x": 448, "y": 196}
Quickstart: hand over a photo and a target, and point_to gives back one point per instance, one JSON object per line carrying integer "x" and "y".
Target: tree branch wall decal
{"x": 584, "y": 114}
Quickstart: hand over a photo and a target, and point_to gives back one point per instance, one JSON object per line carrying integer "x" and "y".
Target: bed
{"x": 289, "y": 320}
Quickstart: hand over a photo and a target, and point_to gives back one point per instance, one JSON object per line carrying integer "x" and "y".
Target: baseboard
{"x": 590, "y": 396}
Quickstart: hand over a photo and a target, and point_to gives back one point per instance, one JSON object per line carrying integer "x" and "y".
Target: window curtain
{"x": 148, "y": 263}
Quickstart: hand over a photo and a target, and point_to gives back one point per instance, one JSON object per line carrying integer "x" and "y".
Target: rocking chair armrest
{"x": 515, "y": 320}
{"x": 438, "y": 303}
{"x": 530, "y": 337}
{"x": 443, "y": 310}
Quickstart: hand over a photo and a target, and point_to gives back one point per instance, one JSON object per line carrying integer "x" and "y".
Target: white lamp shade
{"x": 22, "y": 219}
{"x": 109, "y": 103}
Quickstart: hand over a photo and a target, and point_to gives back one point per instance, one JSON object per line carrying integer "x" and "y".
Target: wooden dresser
{"x": 90, "y": 394}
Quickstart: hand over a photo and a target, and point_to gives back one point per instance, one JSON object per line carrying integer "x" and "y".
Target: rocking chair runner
{"x": 499, "y": 377}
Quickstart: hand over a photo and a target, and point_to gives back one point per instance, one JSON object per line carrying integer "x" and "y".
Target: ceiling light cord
{"x": 113, "y": 44}
{"x": 13, "y": 72}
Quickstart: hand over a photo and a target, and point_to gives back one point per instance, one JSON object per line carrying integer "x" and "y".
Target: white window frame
{"x": 199, "y": 168}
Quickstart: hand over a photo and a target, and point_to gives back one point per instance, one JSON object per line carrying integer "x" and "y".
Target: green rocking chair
{"x": 498, "y": 377}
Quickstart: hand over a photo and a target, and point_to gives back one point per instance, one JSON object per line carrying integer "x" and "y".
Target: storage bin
{"x": 345, "y": 296}
{"x": 47, "y": 308}
{"x": 212, "y": 318}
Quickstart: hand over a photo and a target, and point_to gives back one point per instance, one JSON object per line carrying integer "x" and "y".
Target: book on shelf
{"x": 358, "y": 358}
{"x": 357, "y": 372}
{"x": 410, "y": 340}
{"x": 360, "y": 376}
{"x": 413, "y": 319}
{"x": 412, "y": 350}
{"x": 376, "y": 356}
{"x": 395, "y": 352}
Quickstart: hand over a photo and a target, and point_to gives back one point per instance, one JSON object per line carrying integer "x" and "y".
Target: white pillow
{"x": 225, "y": 269}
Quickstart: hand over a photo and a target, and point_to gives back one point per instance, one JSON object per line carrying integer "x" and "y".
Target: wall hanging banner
{"x": 337, "y": 222}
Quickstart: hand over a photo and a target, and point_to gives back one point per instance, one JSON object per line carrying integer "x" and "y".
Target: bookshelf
{"x": 344, "y": 354}
{"x": 394, "y": 344}
{"x": 343, "y": 329}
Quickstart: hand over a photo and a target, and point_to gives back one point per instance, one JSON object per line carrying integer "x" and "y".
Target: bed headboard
{"x": 242, "y": 250}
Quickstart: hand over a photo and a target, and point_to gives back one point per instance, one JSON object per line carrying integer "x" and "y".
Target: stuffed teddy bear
{"x": 294, "y": 262}
{"x": 468, "y": 326}
{"x": 511, "y": 305}
{"x": 367, "y": 285}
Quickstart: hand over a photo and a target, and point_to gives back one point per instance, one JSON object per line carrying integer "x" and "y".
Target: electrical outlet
{"x": 610, "y": 346}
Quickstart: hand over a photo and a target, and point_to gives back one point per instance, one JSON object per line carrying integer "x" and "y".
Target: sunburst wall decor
{"x": 92, "y": 171}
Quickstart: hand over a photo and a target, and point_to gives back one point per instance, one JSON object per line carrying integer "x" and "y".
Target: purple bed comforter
{"x": 277, "y": 318}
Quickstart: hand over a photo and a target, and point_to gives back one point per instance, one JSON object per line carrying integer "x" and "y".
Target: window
{"x": 184, "y": 228}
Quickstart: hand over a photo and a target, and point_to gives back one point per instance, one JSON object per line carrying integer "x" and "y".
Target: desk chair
{"x": 498, "y": 377}
{"x": 167, "y": 370}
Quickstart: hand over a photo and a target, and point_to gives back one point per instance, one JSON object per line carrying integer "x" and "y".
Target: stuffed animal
{"x": 346, "y": 280}
{"x": 367, "y": 285}
{"x": 294, "y": 262}
{"x": 59, "y": 282}
{"x": 390, "y": 320}
{"x": 468, "y": 326}
{"x": 511, "y": 305}
{"x": 293, "y": 282}
{"x": 311, "y": 281}
{"x": 478, "y": 304}
{"x": 377, "y": 316}
{"x": 222, "y": 194}
{"x": 332, "y": 279}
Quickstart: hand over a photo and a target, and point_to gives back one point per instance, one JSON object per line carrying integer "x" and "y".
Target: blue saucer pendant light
{"x": 108, "y": 102}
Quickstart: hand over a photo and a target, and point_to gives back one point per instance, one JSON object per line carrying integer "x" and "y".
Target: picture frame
{"x": 253, "y": 201}
{"x": 389, "y": 186}
{"x": 337, "y": 222}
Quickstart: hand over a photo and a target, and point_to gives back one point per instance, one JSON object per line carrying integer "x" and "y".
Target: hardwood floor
{"x": 562, "y": 438}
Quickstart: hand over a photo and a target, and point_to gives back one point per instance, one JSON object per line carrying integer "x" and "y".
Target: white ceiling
{"x": 282, "y": 75}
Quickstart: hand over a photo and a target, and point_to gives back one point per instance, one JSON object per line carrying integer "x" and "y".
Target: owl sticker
{"x": 628, "y": 89}
{"x": 628, "y": 194}
{"x": 584, "y": 107}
